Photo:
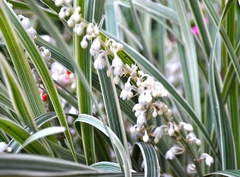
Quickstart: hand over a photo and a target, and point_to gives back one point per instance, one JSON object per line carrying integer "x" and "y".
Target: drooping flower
{"x": 158, "y": 133}
{"x": 191, "y": 138}
{"x": 186, "y": 126}
{"x": 207, "y": 157}
{"x": 175, "y": 150}
{"x": 145, "y": 137}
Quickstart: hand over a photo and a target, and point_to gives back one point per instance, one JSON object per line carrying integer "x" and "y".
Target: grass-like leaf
{"x": 18, "y": 100}
{"x": 21, "y": 65}
{"x": 41, "y": 134}
{"x": 229, "y": 173}
{"x": 20, "y": 135}
{"x": 152, "y": 167}
{"x": 43, "y": 72}
{"x": 108, "y": 132}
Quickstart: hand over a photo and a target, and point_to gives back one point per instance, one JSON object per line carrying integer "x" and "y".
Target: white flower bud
{"x": 116, "y": 80}
{"x": 70, "y": 22}
{"x": 154, "y": 114}
{"x": 117, "y": 62}
{"x": 118, "y": 71}
{"x": 145, "y": 137}
{"x": 89, "y": 29}
{"x": 32, "y": 32}
{"x": 171, "y": 131}
{"x": 169, "y": 112}
{"x": 169, "y": 155}
{"x": 84, "y": 44}
{"x": 3, "y": 147}
{"x": 198, "y": 142}
{"x": 59, "y": 2}
{"x": 99, "y": 63}
{"x": 109, "y": 72}
{"x": 160, "y": 112}
{"x": 76, "y": 16}
{"x": 123, "y": 95}
{"x": 78, "y": 30}
{"x": 24, "y": 21}
{"x": 127, "y": 86}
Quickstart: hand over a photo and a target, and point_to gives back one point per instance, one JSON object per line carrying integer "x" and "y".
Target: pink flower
{"x": 195, "y": 30}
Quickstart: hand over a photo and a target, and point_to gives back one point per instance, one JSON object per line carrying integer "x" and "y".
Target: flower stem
{"x": 83, "y": 60}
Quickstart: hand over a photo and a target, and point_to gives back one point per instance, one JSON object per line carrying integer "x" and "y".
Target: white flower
{"x": 169, "y": 155}
{"x": 186, "y": 126}
{"x": 90, "y": 29}
{"x": 3, "y": 147}
{"x": 145, "y": 137}
{"x": 32, "y": 32}
{"x": 24, "y": 21}
{"x": 191, "y": 138}
{"x": 99, "y": 63}
{"x": 117, "y": 62}
{"x": 145, "y": 97}
{"x": 158, "y": 133}
{"x": 208, "y": 159}
{"x": 175, "y": 150}
{"x": 48, "y": 39}
{"x": 76, "y": 16}
{"x": 10, "y": 5}
{"x": 154, "y": 114}
{"x": 171, "y": 130}
{"x": 109, "y": 72}
{"x": 116, "y": 80}
{"x": 169, "y": 112}
{"x": 64, "y": 12}
{"x": 71, "y": 22}
{"x": 96, "y": 45}
{"x": 118, "y": 71}
{"x": 84, "y": 43}
{"x": 59, "y": 2}
{"x": 126, "y": 94}
{"x": 191, "y": 169}
{"x": 78, "y": 29}
{"x": 141, "y": 120}
{"x": 45, "y": 53}
{"x": 138, "y": 108}
{"x": 133, "y": 129}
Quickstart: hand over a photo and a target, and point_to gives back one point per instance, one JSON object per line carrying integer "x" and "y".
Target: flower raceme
{"x": 149, "y": 92}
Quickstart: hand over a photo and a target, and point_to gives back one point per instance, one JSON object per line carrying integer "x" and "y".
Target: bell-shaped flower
{"x": 141, "y": 120}
{"x": 145, "y": 137}
{"x": 100, "y": 62}
{"x": 24, "y": 21}
{"x": 208, "y": 159}
{"x": 158, "y": 133}
{"x": 186, "y": 126}
{"x": 171, "y": 130}
{"x": 175, "y": 150}
{"x": 3, "y": 147}
{"x": 191, "y": 138}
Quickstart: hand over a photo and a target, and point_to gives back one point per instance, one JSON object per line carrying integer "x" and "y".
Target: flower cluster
{"x": 149, "y": 92}
{"x": 63, "y": 76}
{"x": 26, "y": 24}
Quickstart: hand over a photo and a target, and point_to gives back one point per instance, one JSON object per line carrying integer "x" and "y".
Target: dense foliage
{"x": 119, "y": 88}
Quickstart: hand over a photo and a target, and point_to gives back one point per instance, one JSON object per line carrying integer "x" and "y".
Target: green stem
{"x": 84, "y": 100}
